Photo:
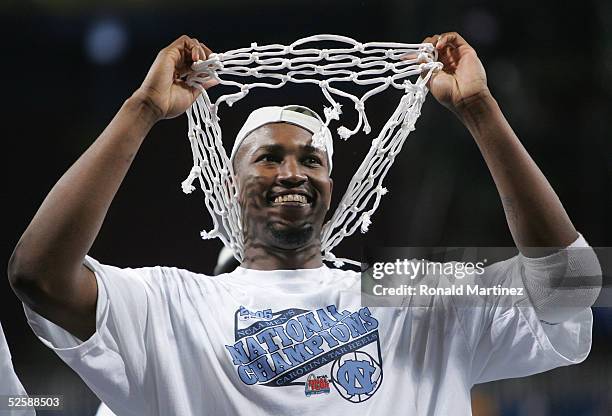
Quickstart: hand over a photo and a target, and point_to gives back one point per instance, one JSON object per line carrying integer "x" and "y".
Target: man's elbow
{"x": 20, "y": 279}
{"x": 26, "y": 278}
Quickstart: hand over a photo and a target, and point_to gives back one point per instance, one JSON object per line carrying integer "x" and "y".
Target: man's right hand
{"x": 163, "y": 90}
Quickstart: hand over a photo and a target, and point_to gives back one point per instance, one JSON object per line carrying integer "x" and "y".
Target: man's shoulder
{"x": 151, "y": 275}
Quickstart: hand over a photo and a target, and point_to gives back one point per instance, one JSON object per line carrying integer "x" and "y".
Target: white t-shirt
{"x": 9, "y": 383}
{"x": 172, "y": 342}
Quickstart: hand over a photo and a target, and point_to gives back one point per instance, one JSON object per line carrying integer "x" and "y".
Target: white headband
{"x": 292, "y": 114}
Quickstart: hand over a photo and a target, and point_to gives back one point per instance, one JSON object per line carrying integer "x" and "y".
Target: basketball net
{"x": 376, "y": 65}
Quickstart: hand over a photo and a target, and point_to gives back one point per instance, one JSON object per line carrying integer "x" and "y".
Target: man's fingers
{"x": 195, "y": 47}
{"x": 206, "y": 50}
{"x": 190, "y": 49}
{"x": 452, "y": 39}
{"x": 197, "y": 52}
{"x": 431, "y": 39}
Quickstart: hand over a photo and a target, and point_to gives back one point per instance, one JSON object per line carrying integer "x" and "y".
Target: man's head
{"x": 284, "y": 182}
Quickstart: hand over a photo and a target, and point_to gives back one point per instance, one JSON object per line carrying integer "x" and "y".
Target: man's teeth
{"x": 291, "y": 198}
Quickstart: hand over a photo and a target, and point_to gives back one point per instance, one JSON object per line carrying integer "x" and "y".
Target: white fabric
{"x": 103, "y": 410}
{"x": 548, "y": 280}
{"x": 172, "y": 342}
{"x": 375, "y": 66}
{"x": 9, "y": 383}
{"x": 287, "y": 114}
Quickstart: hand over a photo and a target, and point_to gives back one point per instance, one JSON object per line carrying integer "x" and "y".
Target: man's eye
{"x": 312, "y": 160}
{"x": 268, "y": 157}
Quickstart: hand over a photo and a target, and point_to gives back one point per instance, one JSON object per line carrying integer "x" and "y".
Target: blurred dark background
{"x": 68, "y": 65}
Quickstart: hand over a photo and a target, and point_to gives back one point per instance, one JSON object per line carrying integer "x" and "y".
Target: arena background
{"x": 68, "y": 65}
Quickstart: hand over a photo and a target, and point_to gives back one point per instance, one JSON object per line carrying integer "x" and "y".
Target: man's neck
{"x": 272, "y": 258}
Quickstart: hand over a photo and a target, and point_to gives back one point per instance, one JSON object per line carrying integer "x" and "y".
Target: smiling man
{"x": 285, "y": 187}
{"x": 284, "y": 334}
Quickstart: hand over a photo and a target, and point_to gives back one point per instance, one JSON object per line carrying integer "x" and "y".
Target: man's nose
{"x": 290, "y": 173}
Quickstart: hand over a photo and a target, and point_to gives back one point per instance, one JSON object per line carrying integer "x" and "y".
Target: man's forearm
{"x": 535, "y": 215}
{"x": 67, "y": 223}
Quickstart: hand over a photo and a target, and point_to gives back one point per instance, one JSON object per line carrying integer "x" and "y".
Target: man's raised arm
{"x": 536, "y": 218}
{"x": 46, "y": 268}
{"x": 534, "y": 213}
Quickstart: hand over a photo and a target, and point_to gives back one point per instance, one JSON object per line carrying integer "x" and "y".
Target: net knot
{"x": 214, "y": 62}
{"x": 344, "y": 133}
{"x": 366, "y": 221}
{"x": 332, "y": 113}
{"x": 187, "y": 184}
{"x": 206, "y": 235}
{"x": 187, "y": 187}
{"x": 408, "y": 87}
{"x": 331, "y": 258}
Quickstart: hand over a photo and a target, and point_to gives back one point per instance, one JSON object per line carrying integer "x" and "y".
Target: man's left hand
{"x": 463, "y": 79}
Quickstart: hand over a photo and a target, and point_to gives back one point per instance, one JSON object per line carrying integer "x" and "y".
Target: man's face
{"x": 285, "y": 188}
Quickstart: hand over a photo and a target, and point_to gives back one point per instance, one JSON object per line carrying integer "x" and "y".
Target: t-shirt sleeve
{"x": 112, "y": 362}
{"x": 9, "y": 383}
{"x": 506, "y": 337}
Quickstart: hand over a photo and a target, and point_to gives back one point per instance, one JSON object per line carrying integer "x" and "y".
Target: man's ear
{"x": 331, "y": 189}
{"x": 238, "y": 191}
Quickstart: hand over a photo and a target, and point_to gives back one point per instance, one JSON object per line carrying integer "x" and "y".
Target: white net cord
{"x": 376, "y": 64}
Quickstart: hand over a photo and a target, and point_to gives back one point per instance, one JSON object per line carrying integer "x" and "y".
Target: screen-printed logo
{"x": 285, "y": 348}
{"x": 316, "y": 385}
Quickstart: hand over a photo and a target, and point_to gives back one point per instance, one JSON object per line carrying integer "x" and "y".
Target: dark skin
{"x": 277, "y": 159}
{"x": 46, "y": 269}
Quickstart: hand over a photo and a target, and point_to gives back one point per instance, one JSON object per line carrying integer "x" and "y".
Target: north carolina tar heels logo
{"x": 292, "y": 347}
{"x": 356, "y": 376}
